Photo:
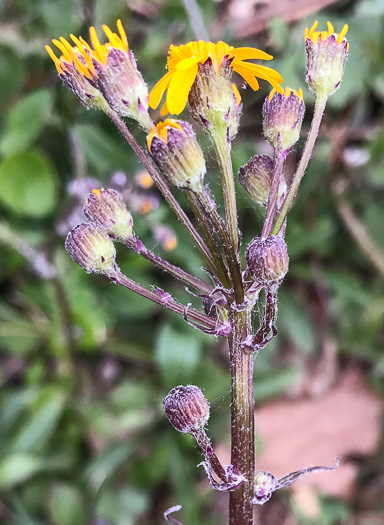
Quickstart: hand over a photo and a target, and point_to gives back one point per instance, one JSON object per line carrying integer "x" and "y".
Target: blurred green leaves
{"x": 28, "y": 184}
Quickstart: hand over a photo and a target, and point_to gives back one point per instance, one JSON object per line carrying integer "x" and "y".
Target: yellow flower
{"x": 183, "y": 67}
{"x": 109, "y": 67}
{"x": 315, "y": 36}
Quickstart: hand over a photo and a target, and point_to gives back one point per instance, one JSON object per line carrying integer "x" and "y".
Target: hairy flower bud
{"x": 265, "y": 484}
{"x": 267, "y": 260}
{"x": 214, "y": 100}
{"x": 107, "y": 208}
{"x": 91, "y": 248}
{"x": 187, "y": 409}
{"x": 256, "y": 177}
{"x": 282, "y": 118}
{"x": 173, "y": 146}
{"x": 327, "y": 53}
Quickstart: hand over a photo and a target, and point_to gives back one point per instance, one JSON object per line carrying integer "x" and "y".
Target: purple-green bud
{"x": 187, "y": 409}
{"x": 107, "y": 208}
{"x": 265, "y": 484}
{"x": 327, "y": 53}
{"x": 173, "y": 146}
{"x": 256, "y": 177}
{"x": 91, "y": 248}
{"x": 214, "y": 101}
{"x": 282, "y": 118}
{"x": 267, "y": 260}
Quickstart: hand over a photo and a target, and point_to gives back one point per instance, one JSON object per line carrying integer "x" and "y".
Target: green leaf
{"x": 294, "y": 320}
{"x": 67, "y": 506}
{"x": 16, "y": 468}
{"x": 177, "y": 354}
{"x": 28, "y": 184}
{"x": 40, "y": 425}
{"x": 25, "y": 121}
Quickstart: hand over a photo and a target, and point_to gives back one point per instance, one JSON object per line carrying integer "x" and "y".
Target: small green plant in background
{"x": 106, "y": 77}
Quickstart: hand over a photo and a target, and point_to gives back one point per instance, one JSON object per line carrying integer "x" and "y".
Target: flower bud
{"x": 214, "y": 100}
{"x": 327, "y": 53}
{"x": 110, "y": 68}
{"x": 107, "y": 208}
{"x": 88, "y": 94}
{"x": 91, "y": 248}
{"x": 173, "y": 146}
{"x": 267, "y": 260}
{"x": 187, "y": 409}
{"x": 282, "y": 118}
{"x": 265, "y": 484}
{"x": 256, "y": 178}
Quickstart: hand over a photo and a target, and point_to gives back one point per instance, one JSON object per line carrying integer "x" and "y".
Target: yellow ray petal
{"x": 330, "y": 27}
{"x": 178, "y": 89}
{"x": 248, "y": 76}
{"x": 188, "y": 63}
{"x": 157, "y": 92}
{"x": 122, "y": 33}
{"x": 342, "y": 34}
{"x": 164, "y": 110}
{"x": 247, "y": 53}
{"x": 254, "y": 69}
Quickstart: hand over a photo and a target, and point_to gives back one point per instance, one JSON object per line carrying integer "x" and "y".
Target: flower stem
{"x": 221, "y": 269}
{"x": 164, "y": 300}
{"x": 213, "y": 216}
{"x": 242, "y": 419}
{"x": 273, "y": 195}
{"x": 307, "y": 153}
{"x": 222, "y": 148}
{"x": 136, "y": 245}
{"x": 163, "y": 187}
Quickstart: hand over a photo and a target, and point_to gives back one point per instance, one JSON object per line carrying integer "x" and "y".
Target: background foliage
{"x": 85, "y": 365}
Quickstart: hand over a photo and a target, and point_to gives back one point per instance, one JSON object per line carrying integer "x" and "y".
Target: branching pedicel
{"x": 105, "y": 77}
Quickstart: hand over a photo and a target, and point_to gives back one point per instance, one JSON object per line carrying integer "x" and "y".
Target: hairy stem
{"x": 213, "y": 216}
{"x": 135, "y": 244}
{"x": 223, "y": 154}
{"x": 273, "y": 195}
{"x": 163, "y": 299}
{"x": 307, "y": 153}
{"x": 163, "y": 187}
{"x": 242, "y": 419}
{"x": 221, "y": 269}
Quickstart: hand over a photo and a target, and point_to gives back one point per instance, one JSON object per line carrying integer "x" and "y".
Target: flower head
{"x": 187, "y": 409}
{"x": 110, "y": 68}
{"x": 183, "y": 67}
{"x": 282, "y": 117}
{"x": 173, "y": 146}
{"x": 327, "y": 53}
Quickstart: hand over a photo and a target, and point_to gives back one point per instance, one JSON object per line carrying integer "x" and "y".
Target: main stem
{"x": 307, "y": 153}
{"x": 242, "y": 419}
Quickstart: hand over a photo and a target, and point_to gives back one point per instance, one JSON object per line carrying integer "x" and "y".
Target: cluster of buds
{"x": 283, "y": 115}
{"x": 267, "y": 260}
{"x": 256, "y": 178}
{"x": 173, "y": 146}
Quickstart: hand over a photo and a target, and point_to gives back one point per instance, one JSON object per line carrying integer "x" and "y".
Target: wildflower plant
{"x": 106, "y": 77}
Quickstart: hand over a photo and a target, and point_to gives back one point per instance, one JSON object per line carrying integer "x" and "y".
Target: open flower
{"x": 327, "y": 53}
{"x": 110, "y": 68}
{"x": 183, "y": 67}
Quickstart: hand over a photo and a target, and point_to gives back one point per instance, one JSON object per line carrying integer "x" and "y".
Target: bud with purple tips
{"x": 282, "y": 118}
{"x": 267, "y": 260}
{"x": 91, "y": 248}
{"x": 256, "y": 177}
{"x": 187, "y": 409}
{"x": 173, "y": 146}
{"x": 107, "y": 208}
